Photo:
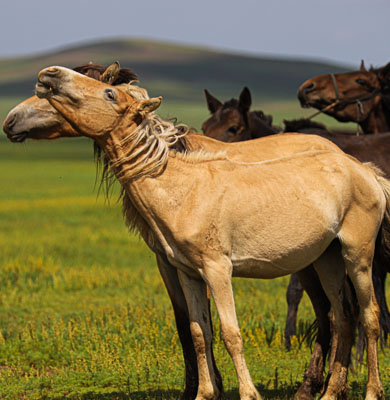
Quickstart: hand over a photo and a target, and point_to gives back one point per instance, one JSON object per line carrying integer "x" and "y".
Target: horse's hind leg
{"x": 358, "y": 260}
{"x": 293, "y": 296}
{"x": 171, "y": 280}
{"x": 195, "y": 292}
{"x": 331, "y": 271}
{"x": 313, "y": 380}
{"x": 379, "y": 274}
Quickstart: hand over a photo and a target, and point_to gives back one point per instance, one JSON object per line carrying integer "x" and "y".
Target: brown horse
{"x": 232, "y": 122}
{"x": 42, "y": 121}
{"x": 33, "y": 119}
{"x": 36, "y": 119}
{"x": 366, "y": 148}
{"x": 313, "y": 377}
{"x": 360, "y": 96}
{"x": 338, "y": 211}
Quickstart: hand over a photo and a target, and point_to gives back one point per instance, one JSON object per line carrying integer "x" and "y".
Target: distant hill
{"x": 174, "y": 71}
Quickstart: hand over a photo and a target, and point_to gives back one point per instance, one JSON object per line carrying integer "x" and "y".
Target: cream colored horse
{"x": 36, "y": 119}
{"x": 196, "y": 210}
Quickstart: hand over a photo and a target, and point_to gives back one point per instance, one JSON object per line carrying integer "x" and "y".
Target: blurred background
{"x": 179, "y": 48}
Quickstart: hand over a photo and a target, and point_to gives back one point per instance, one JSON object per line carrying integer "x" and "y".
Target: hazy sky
{"x": 339, "y": 30}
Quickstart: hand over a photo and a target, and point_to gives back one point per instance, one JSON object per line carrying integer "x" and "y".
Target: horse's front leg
{"x": 195, "y": 292}
{"x": 171, "y": 281}
{"x": 218, "y": 276}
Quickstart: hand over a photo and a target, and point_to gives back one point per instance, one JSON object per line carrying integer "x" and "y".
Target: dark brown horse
{"x": 366, "y": 148}
{"x": 232, "y": 121}
{"x": 361, "y": 96}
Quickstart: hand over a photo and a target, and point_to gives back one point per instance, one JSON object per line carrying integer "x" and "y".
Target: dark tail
{"x": 381, "y": 263}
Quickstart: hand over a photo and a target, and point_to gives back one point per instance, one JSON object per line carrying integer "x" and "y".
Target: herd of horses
{"x": 274, "y": 204}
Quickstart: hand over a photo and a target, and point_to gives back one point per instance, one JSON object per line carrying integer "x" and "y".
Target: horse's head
{"x": 35, "y": 118}
{"x": 93, "y": 108}
{"x": 229, "y": 121}
{"x": 347, "y": 97}
{"x": 232, "y": 121}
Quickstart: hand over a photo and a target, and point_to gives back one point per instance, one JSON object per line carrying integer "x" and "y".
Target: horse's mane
{"x": 295, "y": 125}
{"x": 266, "y": 118}
{"x": 153, "y": 138}
{"x": 172, "y": 133}
{"x": 95, "y": 71}
{"x": 146, "y": 153}
{"x": 383, "y": 74}
{"x": 264, "y": 121}
{"x": 232, "y": 103}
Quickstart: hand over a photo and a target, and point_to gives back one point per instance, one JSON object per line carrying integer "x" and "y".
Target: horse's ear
{"x": 362, "y": 66}
{"x": 213, "y": 103}
{"x": 245, "y": 101}
{"x": 111, "y": 73}
{"x": 147, "y": 106}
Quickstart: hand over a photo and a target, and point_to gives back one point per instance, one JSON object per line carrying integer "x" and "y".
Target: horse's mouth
{"x": 17, "y": 137}
{"x": 318, "y": 103}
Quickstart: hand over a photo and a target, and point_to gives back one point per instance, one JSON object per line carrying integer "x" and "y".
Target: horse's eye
{"x": 361, "y": 81}
{"x": 233, "y": 129}
{"x": 111, "y": 95}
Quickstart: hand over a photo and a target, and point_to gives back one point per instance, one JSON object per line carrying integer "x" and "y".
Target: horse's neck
{"x": 155, "y": 200}
{"x": 378, "y": 120}
{"x": 134, "y": 218}
{"x": 149, "y": 200}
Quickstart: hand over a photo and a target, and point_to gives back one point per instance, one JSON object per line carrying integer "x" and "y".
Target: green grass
{"x": 83, "y": 310}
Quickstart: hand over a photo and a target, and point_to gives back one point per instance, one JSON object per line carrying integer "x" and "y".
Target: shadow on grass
{"x": 283, "y": 393}
{"x": 141, "y": 395}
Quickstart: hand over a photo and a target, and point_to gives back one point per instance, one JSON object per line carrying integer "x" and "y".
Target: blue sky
{"x": 338, "y": 30}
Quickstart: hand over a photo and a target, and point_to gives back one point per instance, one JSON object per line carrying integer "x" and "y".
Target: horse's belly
{"x": 271, "y": 263}
{"x": 261, "y": 269}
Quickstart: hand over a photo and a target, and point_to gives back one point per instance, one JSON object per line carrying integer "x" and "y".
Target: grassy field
{"x": 83, "y": 310}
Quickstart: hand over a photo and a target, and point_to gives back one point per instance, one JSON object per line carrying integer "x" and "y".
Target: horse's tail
{"x": 384, "y": 232}
{"x": 381, "y": 262}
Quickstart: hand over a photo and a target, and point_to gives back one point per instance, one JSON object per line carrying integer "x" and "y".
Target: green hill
{"x": 177, "y": 72}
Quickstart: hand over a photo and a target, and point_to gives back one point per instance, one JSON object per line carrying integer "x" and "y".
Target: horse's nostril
{"x": 52, "y": 71}
{"x": 11, "y": 121}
